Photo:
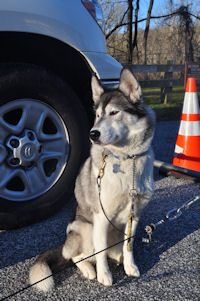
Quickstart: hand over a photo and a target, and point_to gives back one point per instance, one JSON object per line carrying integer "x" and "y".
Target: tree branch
{"x": 118, "y": 25}
{"x": 121, "y": 24}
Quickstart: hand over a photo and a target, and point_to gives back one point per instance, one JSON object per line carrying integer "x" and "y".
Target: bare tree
{"x": 146, "y": 32}
{"x": 167, "y": 41}
{"x": 134, "y": 44}
{"x": 115, "y": 14}
{"x": 130, "y": 31}
{"x": 181, "y": 27}
{"x": 187, "y": 23}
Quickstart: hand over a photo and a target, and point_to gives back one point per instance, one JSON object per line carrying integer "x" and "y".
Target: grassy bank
{"x": 171, "y": 110}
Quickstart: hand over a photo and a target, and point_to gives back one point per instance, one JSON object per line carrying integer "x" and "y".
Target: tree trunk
{"x": 136, "y": 26}
{"x": 146, "y": 32}
{"x": 130, "y": 31}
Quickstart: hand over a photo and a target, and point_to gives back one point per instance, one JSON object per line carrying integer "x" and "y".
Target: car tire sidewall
{"x": 19, "y": 82}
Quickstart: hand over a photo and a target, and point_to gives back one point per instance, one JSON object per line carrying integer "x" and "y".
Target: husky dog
{"x": 121, "y": 143}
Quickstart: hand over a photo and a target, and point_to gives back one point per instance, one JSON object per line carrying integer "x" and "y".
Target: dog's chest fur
{"x": 120, "y": 178}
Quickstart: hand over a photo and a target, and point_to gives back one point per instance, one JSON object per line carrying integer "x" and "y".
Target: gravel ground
{"x": 169, "y": 267}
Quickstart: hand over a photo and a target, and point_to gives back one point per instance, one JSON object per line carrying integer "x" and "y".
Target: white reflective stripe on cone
{"x": 191, "y": 103}
{"x": 189, "y": 128}
{"x": 178, "y": 149}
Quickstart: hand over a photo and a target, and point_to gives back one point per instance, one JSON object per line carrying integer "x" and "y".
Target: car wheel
{"x": 43, "y": 140}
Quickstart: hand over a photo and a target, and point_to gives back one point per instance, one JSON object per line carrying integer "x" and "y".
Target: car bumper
{"x": 105, "y": 66}
{"x": 110, "y": 84}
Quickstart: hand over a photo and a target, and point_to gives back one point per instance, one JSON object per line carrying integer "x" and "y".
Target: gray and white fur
{"x": 123, "y": 129}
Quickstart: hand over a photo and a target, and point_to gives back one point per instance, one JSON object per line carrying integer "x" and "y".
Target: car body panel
{"x": 66, "y": 21}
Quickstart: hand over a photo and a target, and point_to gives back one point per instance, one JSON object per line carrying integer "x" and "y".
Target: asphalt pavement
{"x": 170, "y": 266}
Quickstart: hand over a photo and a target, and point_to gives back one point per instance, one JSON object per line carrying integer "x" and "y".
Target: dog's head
{"x": 120, "y": 113}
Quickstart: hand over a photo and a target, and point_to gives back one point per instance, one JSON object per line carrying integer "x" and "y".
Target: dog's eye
{"x": 113, "y": 112}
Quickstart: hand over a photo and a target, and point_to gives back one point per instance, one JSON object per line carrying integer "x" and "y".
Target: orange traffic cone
{"x": 187, "y": 149}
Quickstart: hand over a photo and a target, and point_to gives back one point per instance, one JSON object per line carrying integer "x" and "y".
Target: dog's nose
{"x": 94, "y": 135}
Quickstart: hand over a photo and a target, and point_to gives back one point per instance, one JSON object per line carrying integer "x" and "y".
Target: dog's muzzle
{"x": 94, "y": 135}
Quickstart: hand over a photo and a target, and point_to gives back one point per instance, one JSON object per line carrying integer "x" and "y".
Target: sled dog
{"x": 116, "y": 179}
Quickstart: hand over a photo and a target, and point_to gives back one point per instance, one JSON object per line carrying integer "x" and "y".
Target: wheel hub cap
{"x": 25, "y": 150}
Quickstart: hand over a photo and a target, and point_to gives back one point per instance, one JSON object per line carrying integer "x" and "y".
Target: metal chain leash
{"x": 132, "y": 193}
{"x": 170, "y": 216}
{"x": 99, "y": 178}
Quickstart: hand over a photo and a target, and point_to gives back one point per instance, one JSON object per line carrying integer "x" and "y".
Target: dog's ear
{"x": 130, "y": 86}
{"x": 97, "y": 89}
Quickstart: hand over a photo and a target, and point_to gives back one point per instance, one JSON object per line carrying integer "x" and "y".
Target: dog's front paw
{"x": 131, "y": 270}
{"x": 105, "y": 278}
{"x": 88, "y": 271}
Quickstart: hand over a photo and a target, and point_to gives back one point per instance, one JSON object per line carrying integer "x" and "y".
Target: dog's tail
{"x": 43, "y": 268}
{"x": 52, "y": 260}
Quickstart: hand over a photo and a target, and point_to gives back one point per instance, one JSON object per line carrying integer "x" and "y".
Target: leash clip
{"x": 173, "y": 214}
{"x": 132, "y": 192}
{"x": 149, "y": 230}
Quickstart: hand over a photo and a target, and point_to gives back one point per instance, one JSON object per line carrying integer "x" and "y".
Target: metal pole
{"x": 170, "y": 169}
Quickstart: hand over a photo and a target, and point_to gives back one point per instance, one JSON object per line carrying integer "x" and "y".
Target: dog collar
{"x": 128, "y": 156}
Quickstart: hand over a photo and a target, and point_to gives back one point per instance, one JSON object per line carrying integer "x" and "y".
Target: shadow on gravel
{"x": 22, "y": 244}
{"x": 169, "y": 233}
{"x": 25, "y": 243}
{"x": 166, "y": 235}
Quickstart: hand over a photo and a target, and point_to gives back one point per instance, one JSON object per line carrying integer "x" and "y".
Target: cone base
{"x": 190, "y": 156}
{"x": 190, "y": 146}
{"x": 187, "y": 162}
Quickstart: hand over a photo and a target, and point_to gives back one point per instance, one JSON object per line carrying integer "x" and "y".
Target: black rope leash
{"x": 171, "y": 215}
{"x": 61, "y": 270}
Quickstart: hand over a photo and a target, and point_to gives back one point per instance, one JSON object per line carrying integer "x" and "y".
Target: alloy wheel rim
{"x": 34, "y": 149}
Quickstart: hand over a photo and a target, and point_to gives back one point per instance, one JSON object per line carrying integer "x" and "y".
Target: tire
{"x": 43, "y": 140}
